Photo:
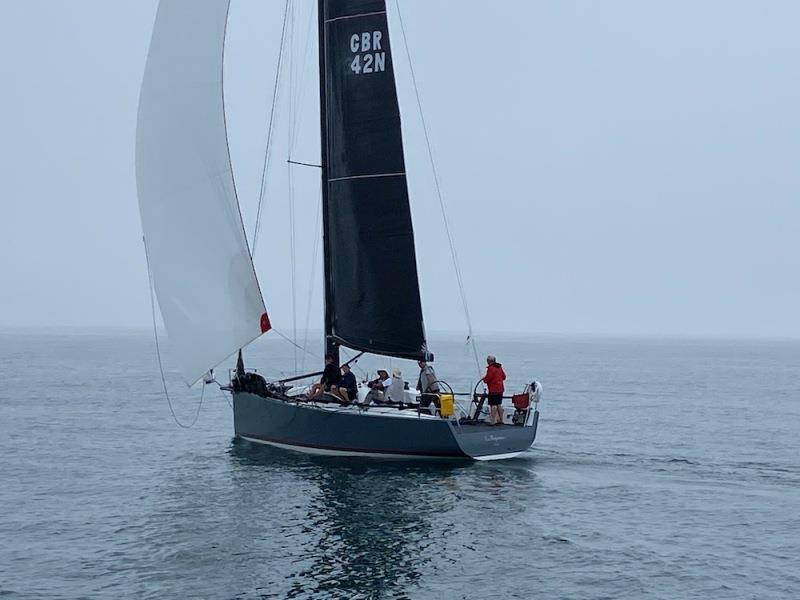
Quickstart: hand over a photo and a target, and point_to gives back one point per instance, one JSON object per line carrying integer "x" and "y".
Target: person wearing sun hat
{"x": 381, "y": 381}
{"x": 396, "y": 391}
{"x": 377, "y": 387}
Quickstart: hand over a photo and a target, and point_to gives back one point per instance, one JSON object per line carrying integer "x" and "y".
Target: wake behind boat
{"x": 202, "y": 269}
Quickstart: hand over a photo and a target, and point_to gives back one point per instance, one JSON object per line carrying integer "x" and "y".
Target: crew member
{"x": 329, "y": 381}
{"x": 395, "y": 392}
{"x": 348, "y": 387}
{"x": 377, "y": 386}
{"x": 494, "y": 378}
{"x": 428, "y": 385}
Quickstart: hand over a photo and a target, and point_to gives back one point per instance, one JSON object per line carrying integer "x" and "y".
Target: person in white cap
{"x": 396, "y": 391}
{"x": 377, "y": 387}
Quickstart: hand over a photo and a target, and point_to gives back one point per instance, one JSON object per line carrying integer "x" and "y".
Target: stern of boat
{"x": 481, "y": 441}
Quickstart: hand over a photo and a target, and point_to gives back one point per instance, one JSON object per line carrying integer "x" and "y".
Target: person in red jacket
{"x": 494, "y": 378}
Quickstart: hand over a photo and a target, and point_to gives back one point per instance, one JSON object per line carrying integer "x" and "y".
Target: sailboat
{"x": 201, "y": 265}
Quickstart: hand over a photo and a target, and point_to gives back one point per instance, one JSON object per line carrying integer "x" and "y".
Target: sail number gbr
{"x": 369, "y": 55}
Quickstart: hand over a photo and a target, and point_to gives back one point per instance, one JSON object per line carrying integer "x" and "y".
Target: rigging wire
{"x": 224, "y": 397}
{"x": 453, "y": 253}
{"x": 290, "y": 168}
{"x": 312, "y": 279}
{"x": 300, "y": 91}
{"x": 262, "y": 192}
{"x": 293, "y": 267}
{"x": 295, "y": 344}
{"x": 297, "y": 75}
{"x": 286, "y": 46}
{"x": 158, "y": 350}
{"x": 297, "y": 89}
{"x": 364, "y": 373}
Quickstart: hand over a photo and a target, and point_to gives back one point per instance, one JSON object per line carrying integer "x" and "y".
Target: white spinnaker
{"x": 202, "y": 271}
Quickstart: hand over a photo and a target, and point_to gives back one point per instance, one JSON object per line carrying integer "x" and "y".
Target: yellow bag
{"x": 446, "y": 405}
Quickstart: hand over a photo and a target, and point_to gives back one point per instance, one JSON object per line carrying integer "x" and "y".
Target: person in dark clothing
{"x": 329, "y": 382}
{"x": 494, "y": 378}
{"x": 348, "y": 387}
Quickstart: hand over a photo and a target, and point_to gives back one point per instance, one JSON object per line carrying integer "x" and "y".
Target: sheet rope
{"x": 158, "y": 350}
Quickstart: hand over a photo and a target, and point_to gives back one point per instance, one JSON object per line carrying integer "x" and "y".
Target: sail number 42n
{"x": 369, "y": 57}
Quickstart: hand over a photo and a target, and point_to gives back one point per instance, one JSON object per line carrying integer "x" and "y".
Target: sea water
{"x": 662, "y": 469}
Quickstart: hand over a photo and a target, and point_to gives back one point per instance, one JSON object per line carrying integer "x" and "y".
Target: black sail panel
{"x": 373, "y": 298}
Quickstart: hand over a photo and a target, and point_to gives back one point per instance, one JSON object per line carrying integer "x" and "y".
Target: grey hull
{"x": 314, "y": 429}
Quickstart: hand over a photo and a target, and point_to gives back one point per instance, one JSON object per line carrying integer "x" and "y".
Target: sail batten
{"x": 367, "y": 176}
{"x": 369, "y": 14}
{"x": 372, "y": 296}
{"x": 200, "y": 262}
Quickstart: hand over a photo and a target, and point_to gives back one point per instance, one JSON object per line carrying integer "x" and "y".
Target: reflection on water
{"x": 261, "y": 522}
{"x": 372, "y": 521}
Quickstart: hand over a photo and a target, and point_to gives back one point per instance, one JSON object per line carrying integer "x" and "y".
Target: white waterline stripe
{"x": 329, "y": 452}
{"x": 380, "y": 12}
{"x": 505, "y": 456}
{"x": 385, "y": 455}
{"x": 366, "y": 176}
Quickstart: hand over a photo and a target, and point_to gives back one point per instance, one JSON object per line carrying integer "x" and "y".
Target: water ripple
{"x": 634, "y": 489}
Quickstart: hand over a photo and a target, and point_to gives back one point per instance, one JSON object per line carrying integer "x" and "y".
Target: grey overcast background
{"x": 618, "y": 167}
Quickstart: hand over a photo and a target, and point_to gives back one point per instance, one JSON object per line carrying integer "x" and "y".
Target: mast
{"x": 331, "y": 346}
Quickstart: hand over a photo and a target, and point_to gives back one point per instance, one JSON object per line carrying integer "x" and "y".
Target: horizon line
{"x": 145, "y": 330}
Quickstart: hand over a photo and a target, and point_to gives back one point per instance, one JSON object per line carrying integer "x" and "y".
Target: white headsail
{"x": 201, "y": 266}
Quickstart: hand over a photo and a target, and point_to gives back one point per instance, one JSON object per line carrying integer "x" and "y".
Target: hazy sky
{"x": 608, "y": 167}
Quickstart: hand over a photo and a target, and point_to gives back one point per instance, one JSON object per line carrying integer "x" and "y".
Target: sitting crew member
{"x": 329, "y": 381}
{"x": 494, "y": 382}
{"x": 376, "y": 387}
{"x": 348, "y": 387}
{"x": 394, "y": 392}
{"x": 428, "y": 385}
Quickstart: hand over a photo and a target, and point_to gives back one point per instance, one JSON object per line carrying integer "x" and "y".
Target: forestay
{"x": 200, "y": 262}
{"x": 373, "y": 291}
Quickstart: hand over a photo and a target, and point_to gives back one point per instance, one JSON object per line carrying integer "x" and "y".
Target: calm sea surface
{"x": 662, "y": 469}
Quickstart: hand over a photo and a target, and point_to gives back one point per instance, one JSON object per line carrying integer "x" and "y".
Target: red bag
{"x": 520, "y": 401}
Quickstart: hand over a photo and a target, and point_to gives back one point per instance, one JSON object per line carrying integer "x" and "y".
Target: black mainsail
{"x": 372, "y": 298}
